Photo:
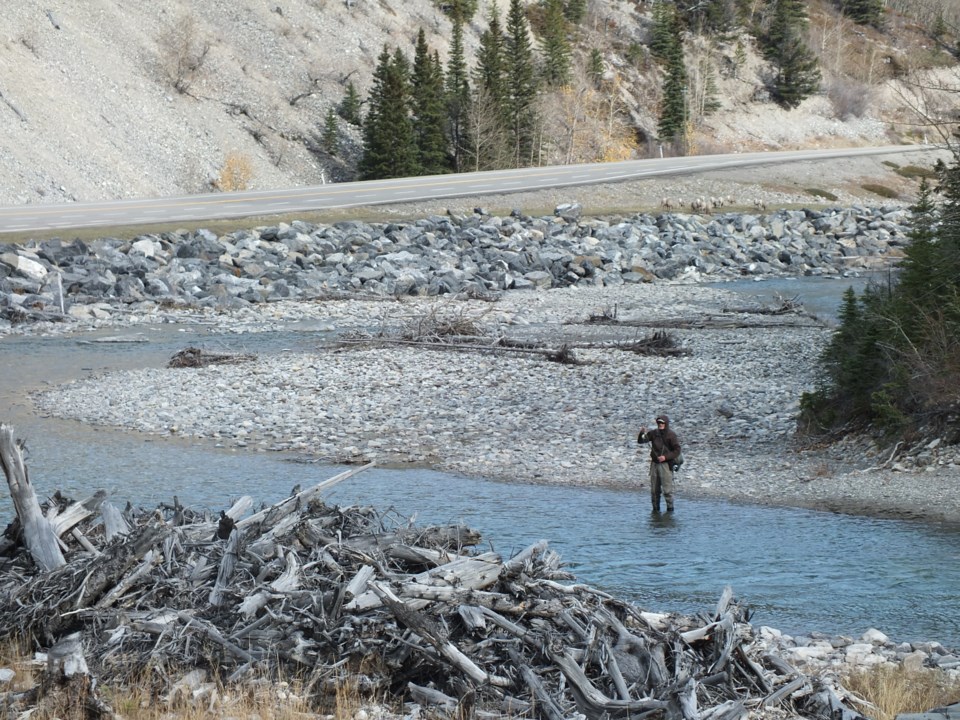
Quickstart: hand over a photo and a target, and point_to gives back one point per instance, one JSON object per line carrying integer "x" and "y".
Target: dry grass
{"x": 881, "y": 190}
{"x": 152, "y": 695}
{"x": 886, "y": 690}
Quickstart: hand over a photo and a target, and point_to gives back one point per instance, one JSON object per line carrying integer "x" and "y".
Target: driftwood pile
{"x": 192, "y": 357}
{"x": 459, "y": 333}
{"x": 786, "y": 312}
{"x": 332, "y": 595}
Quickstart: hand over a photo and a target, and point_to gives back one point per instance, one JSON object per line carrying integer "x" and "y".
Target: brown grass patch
{"x": 887, "y": 691}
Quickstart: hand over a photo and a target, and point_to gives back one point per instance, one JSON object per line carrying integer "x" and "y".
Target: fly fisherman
{"x": 664, "y": 449}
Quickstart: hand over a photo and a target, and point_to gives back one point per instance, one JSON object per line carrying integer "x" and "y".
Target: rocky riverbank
{"x": 733, "y": 387}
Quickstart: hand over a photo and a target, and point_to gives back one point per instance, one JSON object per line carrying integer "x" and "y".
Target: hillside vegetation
{"x": 103, "y": 100}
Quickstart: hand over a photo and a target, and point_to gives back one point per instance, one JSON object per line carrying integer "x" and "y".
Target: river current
{"x": 798, "y": 570}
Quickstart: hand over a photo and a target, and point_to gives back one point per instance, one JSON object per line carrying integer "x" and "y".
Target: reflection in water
{"x": 798, "y": 570}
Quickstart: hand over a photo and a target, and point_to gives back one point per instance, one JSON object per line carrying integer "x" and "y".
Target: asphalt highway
{"x": 152, "y": 211}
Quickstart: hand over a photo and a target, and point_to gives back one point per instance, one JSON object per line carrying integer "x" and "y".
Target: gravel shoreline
{"x": 733, "y": 398}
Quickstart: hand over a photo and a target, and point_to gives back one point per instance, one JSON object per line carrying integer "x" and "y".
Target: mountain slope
{"x": 90, "y": 106}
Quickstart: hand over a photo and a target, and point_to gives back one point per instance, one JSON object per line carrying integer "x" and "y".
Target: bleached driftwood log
{"x": 38, "y": 534}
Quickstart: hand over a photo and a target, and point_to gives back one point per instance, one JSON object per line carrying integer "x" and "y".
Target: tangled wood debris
{"x": 335, "y": 594}
{"x": 459, "y": 333}
{"x": 192, "y": 357}
{"x": 787, "y": 312}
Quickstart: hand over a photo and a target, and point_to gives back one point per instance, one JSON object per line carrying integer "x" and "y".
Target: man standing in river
{"x": 664, "y": 449}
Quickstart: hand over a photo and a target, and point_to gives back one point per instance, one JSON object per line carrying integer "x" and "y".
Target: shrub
{"x": 849, "y": 98}
{"x": 881, "y": 190}
{"x": 235, "y": 173}
{"x": 915, "y": 171}
{"x": 825, "y": 194}
{"x": 182, "y": 54}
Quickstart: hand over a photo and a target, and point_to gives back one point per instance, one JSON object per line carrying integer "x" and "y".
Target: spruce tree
{"x": 712, "y": 17}
{"x": 575, "y": 11}
{"x": 895, "y": 359}
{"x": 349, "y": 108}
{"x": 920, "y": 256}
{"x": 797, "y": 70}
{"x": 389, "y": 144}
{"x": 595, "y": 67}
{"x": 662, "y": 33}
{"x": 457, "y": 94}
{"x": 521, "y": 85}
{"x": 429, "y": 110}
{"x": 863, "y": 12}
{"x": 555, "y": 45}
{"x": 330, "y": 139}
{"x": 489, "y": 110}
{"x": 672, "y": 125}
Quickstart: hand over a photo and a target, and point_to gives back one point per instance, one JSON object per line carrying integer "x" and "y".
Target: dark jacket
{"x": 662, "y": 442}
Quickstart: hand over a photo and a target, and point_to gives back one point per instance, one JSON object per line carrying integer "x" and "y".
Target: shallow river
{"x": 798, "y": 570}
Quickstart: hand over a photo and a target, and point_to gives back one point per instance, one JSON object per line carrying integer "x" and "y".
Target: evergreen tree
{"x": 389, "y": 143}
{"x": 330, "y": 139}
{"x": 457, "y": 93}
{"x": 555, "y": 45}
{"x": 863, "y": 12}
{"x": 575, "y": 11}
{"x": 943, "y": 274}
{"x": 712, "y": 17}
{"x": 797, "y": 72}
{"x": 595, "y": 67}
{"x": 920, "y": 256}
{"x": 739, "y": 58}
{"x": 521, "y": 85}
{"x": 349, "y": 108}
{"x": 464, "y": 9}
{"x": 662, "y": 39}
{"x": 672, "y": 125}
{"x": 429, "y": 110}
{"x": 489, "y": 115}
{"x": 895, "y": 359}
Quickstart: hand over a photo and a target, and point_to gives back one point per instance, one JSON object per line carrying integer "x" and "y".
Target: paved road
{"x": 152, "y": 211}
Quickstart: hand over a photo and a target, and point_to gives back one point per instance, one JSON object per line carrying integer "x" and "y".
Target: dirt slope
{"x": 89, "y": 111}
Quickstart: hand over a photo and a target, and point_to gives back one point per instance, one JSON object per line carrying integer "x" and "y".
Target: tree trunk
{"x": 38, "y": 534}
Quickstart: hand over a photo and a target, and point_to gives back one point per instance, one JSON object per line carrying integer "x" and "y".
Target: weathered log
{"x": 431, "y": 696}
{"x": 38, "y": 533}
{"x": 114, "y": 523}
{"x": 227, "y": 565}
{"x": 590, "y": 700}
{"x": 289, "y": 505}
{"x": 127, "y": 582}
{"x": 422, "y": 627}
{"x": 67, "y": 519}
{"x": 212, "y": 633}
{"x": 544, "y": 700}
{"x": 464, "y": 573}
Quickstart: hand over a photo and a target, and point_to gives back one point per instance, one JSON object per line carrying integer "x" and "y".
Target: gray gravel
{"x": 733, "y": 398}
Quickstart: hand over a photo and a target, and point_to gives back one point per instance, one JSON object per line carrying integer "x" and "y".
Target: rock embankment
{"x": 472, "y": 254}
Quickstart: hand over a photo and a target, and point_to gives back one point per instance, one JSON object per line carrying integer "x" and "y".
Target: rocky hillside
{"x": 104, "y": 100}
